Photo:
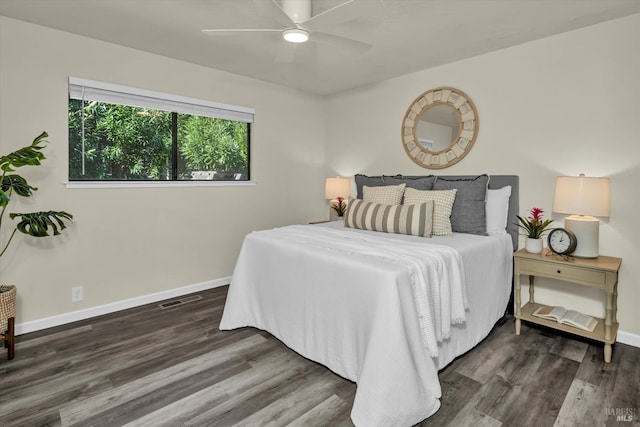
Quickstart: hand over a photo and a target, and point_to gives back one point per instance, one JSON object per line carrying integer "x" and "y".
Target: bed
{"x": 385, "y": 310}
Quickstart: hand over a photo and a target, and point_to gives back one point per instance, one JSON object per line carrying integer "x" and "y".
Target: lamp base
{"x": 587, "y": 231}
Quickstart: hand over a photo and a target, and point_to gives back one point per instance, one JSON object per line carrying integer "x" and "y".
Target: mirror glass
{"x": 438, "y": 128}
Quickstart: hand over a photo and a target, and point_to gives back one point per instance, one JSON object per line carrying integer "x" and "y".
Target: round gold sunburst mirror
{"x": 439, "y": 128}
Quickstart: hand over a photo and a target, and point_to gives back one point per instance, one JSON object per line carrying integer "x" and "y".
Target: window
{"x": 118, "y": 133}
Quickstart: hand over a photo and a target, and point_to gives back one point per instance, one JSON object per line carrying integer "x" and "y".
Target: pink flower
{"x": 536, "y": 216}
{"x": 537, "y": 212}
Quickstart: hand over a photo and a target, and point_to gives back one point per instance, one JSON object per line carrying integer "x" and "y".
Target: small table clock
{"x": 562, "y": 241}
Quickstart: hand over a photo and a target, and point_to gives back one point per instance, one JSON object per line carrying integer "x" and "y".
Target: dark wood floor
{"x": 172, "y": 367}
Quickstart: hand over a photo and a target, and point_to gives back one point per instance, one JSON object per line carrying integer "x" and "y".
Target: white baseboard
{"x": 630, "y": 339}
{"x": 87, "y": 313}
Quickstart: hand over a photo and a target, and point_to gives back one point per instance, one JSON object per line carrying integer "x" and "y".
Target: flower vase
{"x": 533, "y": 246}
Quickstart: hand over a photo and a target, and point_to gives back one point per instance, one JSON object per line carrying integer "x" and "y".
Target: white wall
{"x": 126, "y": 243}
{"x": 558, "y": 106}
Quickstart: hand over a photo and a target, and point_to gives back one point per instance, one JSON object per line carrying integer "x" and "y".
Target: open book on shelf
{"x": 567, "y": 317}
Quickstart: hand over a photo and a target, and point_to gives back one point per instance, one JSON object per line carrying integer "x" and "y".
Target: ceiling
{"x": 405, "y": 35}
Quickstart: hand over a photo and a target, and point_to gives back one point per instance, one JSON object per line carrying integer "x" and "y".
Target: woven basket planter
{"x": 7, "y": 305}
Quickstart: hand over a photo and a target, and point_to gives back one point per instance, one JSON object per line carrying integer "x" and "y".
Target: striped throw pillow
{"x": 415, "y": 220}
{"x": 442, "y": 206}
{"x": 385, "y": 195}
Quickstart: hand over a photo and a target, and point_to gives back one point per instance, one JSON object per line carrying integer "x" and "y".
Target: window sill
{"x": 157, "y": 184}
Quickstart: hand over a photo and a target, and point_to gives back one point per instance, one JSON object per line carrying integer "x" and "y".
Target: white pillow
{"x": 385, "y": 194}
{"x": 497, "y": 209}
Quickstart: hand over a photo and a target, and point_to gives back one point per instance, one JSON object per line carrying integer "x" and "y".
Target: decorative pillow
{"x": 442, "y": 205}
{"x": 387, "y": 195}
{"x": 468, "y": 214}
{"x": 498, "y": 210}
{"x": 417, "y": 182}
{"x": 415, "y": 220}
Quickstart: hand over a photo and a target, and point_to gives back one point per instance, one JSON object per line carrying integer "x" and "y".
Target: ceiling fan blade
{"x": 303, "y": 53}
{"x": 211, "y": 32}
{"x": 344, "y": 12}
{"x": 271, "y": 9}
{"x": 286, "y": 53}
{"x": 352, "y": 45}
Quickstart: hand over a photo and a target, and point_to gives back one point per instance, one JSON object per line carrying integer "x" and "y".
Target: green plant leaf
{"x": 29, "y": 155}
{"x": 37, "y": 224}
{"x": 4, "y": 198}
{"x": 18, "y": 184}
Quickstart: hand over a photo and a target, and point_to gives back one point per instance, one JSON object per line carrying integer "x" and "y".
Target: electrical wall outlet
{"x": 76, "y": 294}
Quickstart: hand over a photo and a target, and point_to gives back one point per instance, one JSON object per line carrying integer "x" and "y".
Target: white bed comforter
{"x": 370, "y": 308}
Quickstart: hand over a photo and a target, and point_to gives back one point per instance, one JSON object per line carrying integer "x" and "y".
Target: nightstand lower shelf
{"x": 598, "y": 333}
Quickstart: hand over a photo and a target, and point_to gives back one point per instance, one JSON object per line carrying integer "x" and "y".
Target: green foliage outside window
{"x": 228, "y": 153}
{"x": 131, "y": 143}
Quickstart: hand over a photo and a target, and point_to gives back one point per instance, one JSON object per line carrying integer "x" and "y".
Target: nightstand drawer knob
{"x": 559, "y": 271}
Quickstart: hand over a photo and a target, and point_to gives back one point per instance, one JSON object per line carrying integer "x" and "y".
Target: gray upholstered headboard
{"x": 499, "y": 181}
{"x": 495, "y": 182}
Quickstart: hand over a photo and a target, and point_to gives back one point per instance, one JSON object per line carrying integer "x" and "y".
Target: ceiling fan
{"x": 297, "y": 24}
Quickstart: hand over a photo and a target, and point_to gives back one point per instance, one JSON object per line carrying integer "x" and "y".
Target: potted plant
{"x": 37, "y": 224}
{"x": 339, "y": 208}
{"x": 534, "y": 226}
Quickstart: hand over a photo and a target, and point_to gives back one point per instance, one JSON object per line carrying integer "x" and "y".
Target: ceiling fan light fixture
{"x": 295, "y": 35}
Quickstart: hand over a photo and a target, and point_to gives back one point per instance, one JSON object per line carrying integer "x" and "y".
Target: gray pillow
{"x": 468, "y": 214}
{"x": 417, "y": 182}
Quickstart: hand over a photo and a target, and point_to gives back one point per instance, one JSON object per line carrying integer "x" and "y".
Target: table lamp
{"x": 583, "y": 198}
{"x": 334, "y": 188}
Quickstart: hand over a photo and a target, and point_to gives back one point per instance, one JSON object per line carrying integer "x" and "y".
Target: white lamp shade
{"x": 337, "y": 187}
{"x": 582, "y": 195}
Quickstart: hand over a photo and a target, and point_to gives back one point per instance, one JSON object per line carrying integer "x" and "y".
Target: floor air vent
{"x": 176, "y": 302}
